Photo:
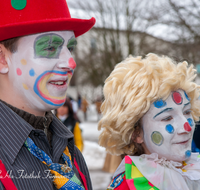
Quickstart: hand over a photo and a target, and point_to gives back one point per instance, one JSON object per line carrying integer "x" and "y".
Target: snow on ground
{"x": 93, "y": 153}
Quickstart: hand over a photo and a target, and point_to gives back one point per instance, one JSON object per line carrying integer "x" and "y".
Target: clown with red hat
{"x": 37, "y": 151}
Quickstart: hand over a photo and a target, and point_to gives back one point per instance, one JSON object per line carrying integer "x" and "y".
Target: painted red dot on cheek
{"x": 187, "y": 126}
{"x": 177, "y": 97}
{"x": 19, "y": 72}
{"x": 72, "y": 63}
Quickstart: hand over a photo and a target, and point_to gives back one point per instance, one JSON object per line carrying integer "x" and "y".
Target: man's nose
{"x": 66, "y": 60}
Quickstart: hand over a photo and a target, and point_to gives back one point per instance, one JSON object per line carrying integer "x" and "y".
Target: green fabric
{"x": 139, "y": 183}
{"x": 18, "y": 4}
{"x": 48, "y": 46}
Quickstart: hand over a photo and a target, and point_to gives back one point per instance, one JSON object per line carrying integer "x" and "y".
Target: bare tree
{"x": 182, "y": 18}
{"x": 120, "y": 31}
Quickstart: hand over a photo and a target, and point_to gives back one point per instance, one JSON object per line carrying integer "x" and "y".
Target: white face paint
{"x": 41, "y": 69}
{"x": 168, "y": 127}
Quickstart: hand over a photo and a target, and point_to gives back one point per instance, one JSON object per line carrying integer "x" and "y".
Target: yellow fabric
{"x": 78, "y": 140}
{"x": 135, "y": 172}
{"x": 58, "y": 180}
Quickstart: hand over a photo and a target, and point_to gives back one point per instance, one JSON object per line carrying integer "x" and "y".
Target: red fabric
{"x": 5, "y": 179}
{"x": 81, "y": 174}
{"x": 39, "y": 16}
{"x": 123, "y": 185}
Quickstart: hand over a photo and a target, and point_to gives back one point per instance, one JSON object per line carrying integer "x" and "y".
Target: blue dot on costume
{"x": 187, "y": 153}
{"x": 159, "y": 103}
{"x": 186, "y": 96}
{"x": 190, "y": 121}
{"x": 32, "y": 73}
{"x": 169, "y": 128}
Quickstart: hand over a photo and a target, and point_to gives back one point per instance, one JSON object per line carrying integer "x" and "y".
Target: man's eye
{"x": 50, "y": 49}
{"x": 187, "y": 112}
{"x": 71, "y": 49}
{"x": 167, "y": 118}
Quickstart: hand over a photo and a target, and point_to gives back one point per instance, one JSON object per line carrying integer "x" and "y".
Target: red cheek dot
{"x": 72, "y": 63}
{"x": 19, "y": 72}
{"x": 187, "y": 127}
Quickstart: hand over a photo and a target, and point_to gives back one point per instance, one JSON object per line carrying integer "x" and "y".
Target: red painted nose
{"x": 187, "y": 126}
{"x": 72, "y": 63}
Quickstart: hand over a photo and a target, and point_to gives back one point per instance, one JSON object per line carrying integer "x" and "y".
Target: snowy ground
{"x": 94, "y": 154}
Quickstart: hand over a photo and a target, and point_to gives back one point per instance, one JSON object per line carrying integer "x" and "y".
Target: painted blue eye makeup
{"x": 169, "y": 128}
{"x": 186, "y": 96}
{"x": 159, "y": 103}
{"x": 190, "y": 121}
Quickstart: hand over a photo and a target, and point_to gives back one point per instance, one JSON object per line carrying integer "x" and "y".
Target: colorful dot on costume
{"x": 190, "y": 121}
{"x": 169, "y": 128}
{"x": 157, "y": 138}
{"x": 19, "y": 72}
{"x": 176, "y": 96}
{"x": 159, "y": 103}
{"x": 187, "y": 127}
{"x": 186, "y": 96}
{"x": 32, "y": 73}
{"x": 187, "y": 153}
{"x": 18, "y": 4}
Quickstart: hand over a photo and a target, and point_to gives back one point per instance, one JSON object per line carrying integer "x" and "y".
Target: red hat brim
{"x": 79, "y": 26}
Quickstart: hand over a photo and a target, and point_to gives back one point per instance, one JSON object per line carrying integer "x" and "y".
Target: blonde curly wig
{"x": 132, "y": 87}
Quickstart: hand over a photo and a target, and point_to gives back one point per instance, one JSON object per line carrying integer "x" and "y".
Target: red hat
{"x": 25, "y": 17}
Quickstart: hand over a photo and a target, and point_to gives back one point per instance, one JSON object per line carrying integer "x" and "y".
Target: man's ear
{"x": 3, "y": 62}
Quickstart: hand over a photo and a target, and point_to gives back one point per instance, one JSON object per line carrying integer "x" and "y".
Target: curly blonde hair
{"x": 132, "y": 87}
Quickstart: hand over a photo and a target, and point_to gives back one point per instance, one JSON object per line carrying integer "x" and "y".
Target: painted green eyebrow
{"x": 72, "y": 42}
{"x": 165, "y": 110}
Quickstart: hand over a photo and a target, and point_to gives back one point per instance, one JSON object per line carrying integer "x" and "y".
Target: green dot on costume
{"x": 169, "y": 128}
{"x": 48, "y": 46}
{"x": 157, "y": 138}
{"x": 18, "y": 4}
{"x": 187, "y": 153}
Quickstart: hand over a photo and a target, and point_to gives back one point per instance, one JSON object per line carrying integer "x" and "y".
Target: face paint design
{"x": 48, "y": 46}
{"x": 159, "y": 103}
{"x": 157, "y": 138}
{"x": 41, "y": 69}
{"x": 168, "y": 129}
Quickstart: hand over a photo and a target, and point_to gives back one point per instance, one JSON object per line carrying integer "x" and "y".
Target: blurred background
{"x": 123, "y": 28}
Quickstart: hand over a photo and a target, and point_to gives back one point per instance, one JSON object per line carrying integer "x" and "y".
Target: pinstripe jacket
{"x": 26, "y": 171}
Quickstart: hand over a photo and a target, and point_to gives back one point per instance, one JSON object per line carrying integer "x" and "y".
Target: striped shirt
{"x": 25, "y": 170}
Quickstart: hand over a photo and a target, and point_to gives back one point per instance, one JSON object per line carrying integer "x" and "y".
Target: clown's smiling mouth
{"x": 59, "y": 83}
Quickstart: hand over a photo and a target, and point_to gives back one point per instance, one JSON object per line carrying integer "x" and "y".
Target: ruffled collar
{"x": 164, "y": 174}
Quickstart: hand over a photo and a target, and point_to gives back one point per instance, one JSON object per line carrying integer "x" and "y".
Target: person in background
{"x": 84, "y": 107}
{"x": 66, "y": 114}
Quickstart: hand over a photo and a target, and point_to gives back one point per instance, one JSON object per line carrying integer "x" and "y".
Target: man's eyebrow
{"x": 72, "y": 41}
{"x": 165, "y": 110}
{"x": 186, "y": 104}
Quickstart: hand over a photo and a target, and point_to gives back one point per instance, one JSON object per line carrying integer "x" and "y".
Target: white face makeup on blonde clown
{"x": 168, "y": 127}
{"x": 42, "y": 67}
